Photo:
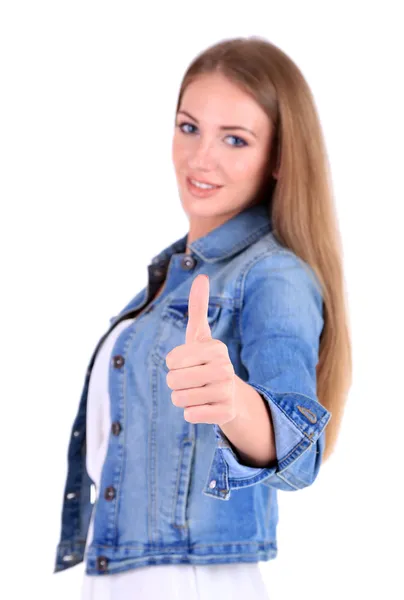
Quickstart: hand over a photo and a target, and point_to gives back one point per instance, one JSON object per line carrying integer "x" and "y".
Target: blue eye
{"x": 181, "y": 125}
{"x": 235, "y": 137}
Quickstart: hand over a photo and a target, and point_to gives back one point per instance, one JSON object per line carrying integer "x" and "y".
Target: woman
{"x": 207, "y": 395}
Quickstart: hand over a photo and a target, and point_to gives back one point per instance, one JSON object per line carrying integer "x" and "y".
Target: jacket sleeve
{"x": 280, "y": 322}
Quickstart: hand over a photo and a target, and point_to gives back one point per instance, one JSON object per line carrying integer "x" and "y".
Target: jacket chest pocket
{"x": 173, "y": 325}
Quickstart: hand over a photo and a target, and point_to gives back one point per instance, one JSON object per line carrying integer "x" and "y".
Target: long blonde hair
{"x": 301, "y": 202}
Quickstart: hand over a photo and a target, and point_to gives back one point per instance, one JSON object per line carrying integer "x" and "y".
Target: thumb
{"x": 198, "y": 328}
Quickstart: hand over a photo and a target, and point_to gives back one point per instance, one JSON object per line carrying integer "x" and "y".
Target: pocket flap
{"x": 178, "y": 310}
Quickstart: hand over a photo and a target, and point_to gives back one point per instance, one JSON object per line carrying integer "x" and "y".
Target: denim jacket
{"x": 180, "y": 492}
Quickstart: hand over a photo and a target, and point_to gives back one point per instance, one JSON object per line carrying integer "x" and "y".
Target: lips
{"x": 203, "y": 181}
{"x": 199, "y": 192}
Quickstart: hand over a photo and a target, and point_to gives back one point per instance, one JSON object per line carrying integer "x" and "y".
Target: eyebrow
{"x": 224, "y": 127}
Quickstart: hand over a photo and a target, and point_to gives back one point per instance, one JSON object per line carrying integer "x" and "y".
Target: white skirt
{"x": 237, "y": 581}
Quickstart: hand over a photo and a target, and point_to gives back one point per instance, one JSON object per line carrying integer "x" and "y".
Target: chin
{"x": 205, "y": 207}
{"x": 204, "y": 211}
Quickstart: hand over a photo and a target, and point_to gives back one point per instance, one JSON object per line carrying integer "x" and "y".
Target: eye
{"x": 181, "y": 127}
{"x": 235, "y": 137}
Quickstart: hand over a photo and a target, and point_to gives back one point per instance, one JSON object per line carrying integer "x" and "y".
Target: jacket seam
{"x": 240, "y": 287}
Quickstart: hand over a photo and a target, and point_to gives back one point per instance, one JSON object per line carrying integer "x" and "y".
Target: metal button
{"x": 116, "y": 428}
{"x": 188, "y": 262}
{"x": 158, "y": 272}
{"x": 102, "y": 563}
{"x": 212, "y": 484}
{"x": 69, "y": 557}
{"x": 109, "y": 493}
{"x": 76, "y": 433}
{"x": 93, "y": 493}
{"x": 71, "y": 495}
{"x": 118, "y": 361}
{"x": 310, "y": 415}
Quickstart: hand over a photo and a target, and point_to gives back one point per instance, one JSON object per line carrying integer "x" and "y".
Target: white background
{"x": 88, "y": 197}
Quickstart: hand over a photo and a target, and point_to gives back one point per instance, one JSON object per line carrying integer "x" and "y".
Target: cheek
{"x": 179, "y": 153}
{"x": 244, "y": 167}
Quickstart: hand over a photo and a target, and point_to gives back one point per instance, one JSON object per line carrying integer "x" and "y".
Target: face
{"x": 222, "y": 137}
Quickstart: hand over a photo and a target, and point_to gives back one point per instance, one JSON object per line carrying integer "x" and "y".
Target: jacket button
{"x": 118, "y": 361}
{"x": 102, "y": 563}
{"x": 109, "y": 493}
{"x": 188, "y": 262}
{"x": 116, "y": 428}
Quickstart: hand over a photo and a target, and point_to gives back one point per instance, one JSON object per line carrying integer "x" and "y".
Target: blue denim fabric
{"x": 182, "y": 495}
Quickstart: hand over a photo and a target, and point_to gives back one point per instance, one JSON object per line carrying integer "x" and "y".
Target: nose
{"x": 202, "y": 156}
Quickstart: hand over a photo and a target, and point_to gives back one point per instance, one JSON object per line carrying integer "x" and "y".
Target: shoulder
{"x": 268, "y": 262}
{"x": 279, "y": 289}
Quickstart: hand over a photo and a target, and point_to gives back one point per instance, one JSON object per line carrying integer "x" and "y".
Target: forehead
{"x": 215, "y": 99}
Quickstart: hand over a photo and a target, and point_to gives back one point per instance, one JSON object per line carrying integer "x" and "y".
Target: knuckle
{"x": 228, "y": 370}
{"x": 222, "y": 349}
{"x": 169, "y": 378}
{"x": 170, "y": 359}
{"x": 231, "y": 413}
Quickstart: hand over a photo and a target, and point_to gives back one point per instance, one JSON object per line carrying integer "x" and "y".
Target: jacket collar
{"x": 228, "y": 239}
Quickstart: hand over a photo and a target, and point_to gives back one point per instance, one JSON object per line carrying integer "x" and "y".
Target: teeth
{"x": 205, "y": 186}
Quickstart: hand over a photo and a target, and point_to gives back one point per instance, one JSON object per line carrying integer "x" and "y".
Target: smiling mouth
{"x": 202, "y": 190}
{"x": 203, "y": 185}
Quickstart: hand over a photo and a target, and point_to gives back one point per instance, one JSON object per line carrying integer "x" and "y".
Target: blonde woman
{"x": 214, "y": 387}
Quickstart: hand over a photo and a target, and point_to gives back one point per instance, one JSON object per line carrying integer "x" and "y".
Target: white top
{"x": 153, "y": 582}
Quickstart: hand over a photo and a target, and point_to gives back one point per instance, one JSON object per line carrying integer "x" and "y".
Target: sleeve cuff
{"x": 299, "y": 422}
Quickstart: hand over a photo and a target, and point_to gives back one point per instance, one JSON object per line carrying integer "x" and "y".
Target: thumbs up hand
{"x": 201, "y": 373}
